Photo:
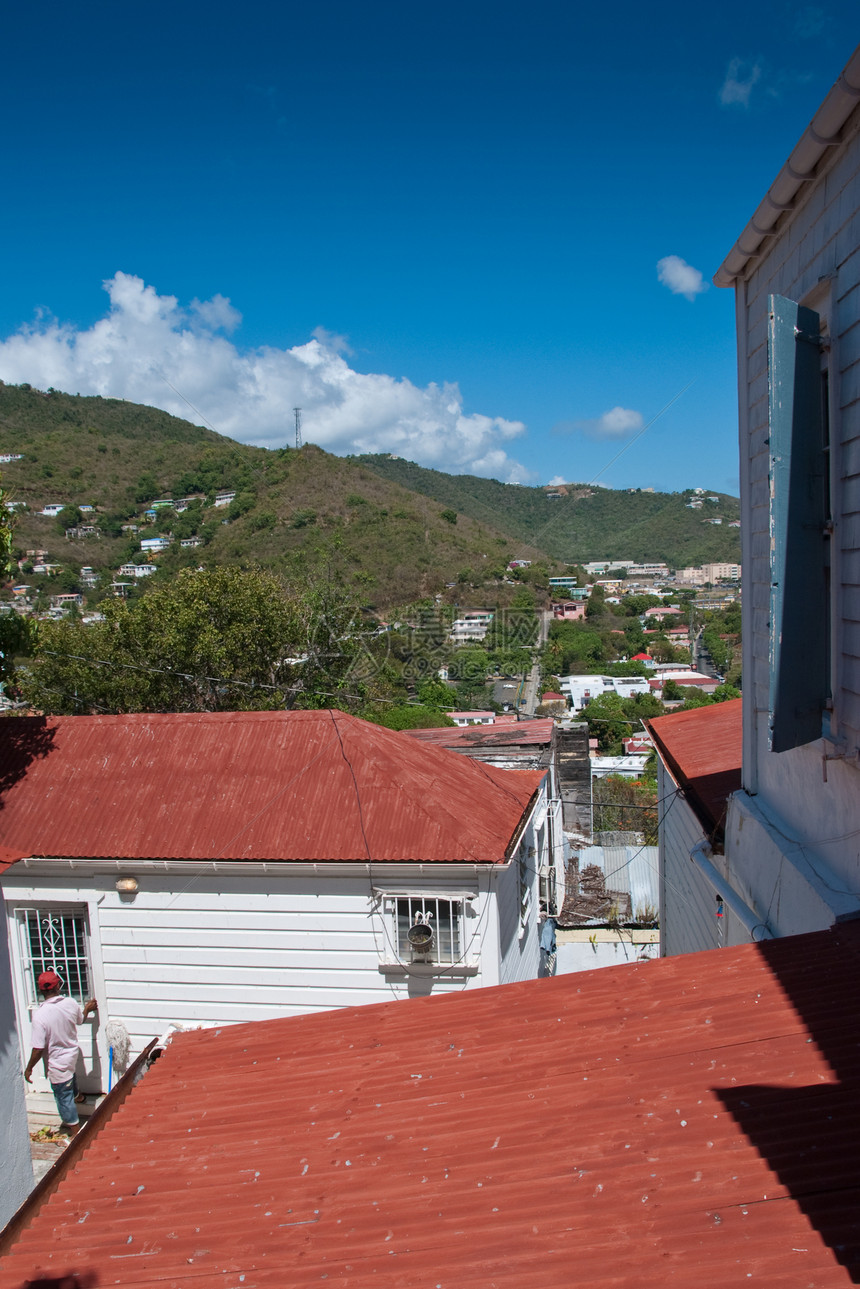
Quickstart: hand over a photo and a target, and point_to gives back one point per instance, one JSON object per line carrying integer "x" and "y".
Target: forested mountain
{"x": 588, "y": 522}
{"x": 294, "y": 511}
{"x": 384, "y": 527}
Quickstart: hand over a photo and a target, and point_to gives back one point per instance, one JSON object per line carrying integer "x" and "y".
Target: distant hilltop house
{"x": 582, "y": 689}
{"x": 182, "y": 503}
{"x": 60, "y": 603}
{"x": 224, "y": 498}
{"x": 471, "y": 626}
{"x": 663, "y": 611}
{"x": 52, "y": 510}
{"x": 136, "y": 570}
{"x": 82, "y": 530}
{"x": 154, "y": 544}
{"x": 652, "y": 569}
{"x": 569, "y": 610}
{"x": 684, "y": 678}
{"x": 6, "y": 457}
{"x": 725, "y": 572}
{"x": 189, "y": 543}
{"x": 569, "y": 584}
{"x": 520, "y": 563}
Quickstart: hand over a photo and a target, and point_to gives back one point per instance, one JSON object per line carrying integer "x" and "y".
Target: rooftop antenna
{"x": 297, "y": 412}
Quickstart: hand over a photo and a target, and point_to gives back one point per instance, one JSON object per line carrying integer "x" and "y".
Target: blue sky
{"x": 436, "y": 227}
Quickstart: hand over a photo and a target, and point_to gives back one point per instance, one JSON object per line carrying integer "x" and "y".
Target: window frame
{"x": 22, "y": 913}
{"x": 397, "y": 956}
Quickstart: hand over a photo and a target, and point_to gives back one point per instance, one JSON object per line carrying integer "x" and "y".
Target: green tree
{"x": 221, "y": 640}
{"x": 625, "y": 805}
{"x": 16, "y": 633}
{"x": 407, "y": 716}
{"x": 434, "y": 693}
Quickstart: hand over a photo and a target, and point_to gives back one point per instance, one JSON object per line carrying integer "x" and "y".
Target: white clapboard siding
{"x": 815, "y": 259}
{"x": 519, "y": 949}
{"x": 687, "y": 903}
{"x": 204, "y": 949}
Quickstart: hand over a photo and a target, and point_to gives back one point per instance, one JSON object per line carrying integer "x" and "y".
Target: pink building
{"x": 569, "y": 610}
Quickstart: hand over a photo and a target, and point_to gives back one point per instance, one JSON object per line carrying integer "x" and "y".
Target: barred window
{"x": 427, "y": 928}
{"x": 55, "y": 939}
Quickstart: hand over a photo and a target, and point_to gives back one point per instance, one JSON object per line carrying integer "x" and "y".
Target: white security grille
{"x": 55, "y": 939}
{"x": 443, "y": 917}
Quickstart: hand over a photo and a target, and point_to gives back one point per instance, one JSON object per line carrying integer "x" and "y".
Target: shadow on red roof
{"x": 684, "y": 1122}
{"x": 302, "y": 786}
{"x": 702, "y": 749}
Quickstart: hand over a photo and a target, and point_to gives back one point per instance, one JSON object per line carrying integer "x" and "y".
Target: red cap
{"x": 47, "y": 980}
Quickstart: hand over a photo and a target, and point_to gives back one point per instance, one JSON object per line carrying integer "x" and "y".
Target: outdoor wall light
{"x": 126, "y": 885}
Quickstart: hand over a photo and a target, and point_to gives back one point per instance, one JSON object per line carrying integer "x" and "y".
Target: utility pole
{"x": 297, "y": 412}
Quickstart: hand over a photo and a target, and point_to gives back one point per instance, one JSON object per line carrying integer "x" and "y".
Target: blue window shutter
{"x": 798, "y": 592}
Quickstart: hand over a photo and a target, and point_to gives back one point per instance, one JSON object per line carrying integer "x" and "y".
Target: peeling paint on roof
{"x": 519, "y": 734}
{"x": 689, "y": 1121}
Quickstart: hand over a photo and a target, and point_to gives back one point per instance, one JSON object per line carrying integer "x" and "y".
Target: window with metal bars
{"x": 427, "y": 928}
{"x": 55, "y": 939}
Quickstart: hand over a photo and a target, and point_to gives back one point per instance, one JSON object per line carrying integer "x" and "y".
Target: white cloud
{"x": 680, "y": 277}
{"x": 217, "y": 314}
{"x": 741, "y": 77}
{"x": 617, "y": 423}
{"x": 556, "y": 481}
{"x": 149, "y": 350}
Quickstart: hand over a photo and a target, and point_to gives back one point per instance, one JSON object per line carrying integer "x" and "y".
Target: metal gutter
{"x": 78, "y": 1144}
{"x": 749, "y": 920}
{"x": 821, "y": 134}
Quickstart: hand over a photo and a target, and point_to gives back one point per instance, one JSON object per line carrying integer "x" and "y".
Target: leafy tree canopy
{"x": 221, "y": 640}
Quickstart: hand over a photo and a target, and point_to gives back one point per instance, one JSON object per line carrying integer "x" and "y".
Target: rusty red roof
{"x": 702, "y": 749}
{"x": 318, "y": 785}
{"x": 516, "y": 734}
{"x": 689, "y": 1121}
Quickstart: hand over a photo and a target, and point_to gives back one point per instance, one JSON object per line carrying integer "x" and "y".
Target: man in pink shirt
{"x": 55, "y": 1040}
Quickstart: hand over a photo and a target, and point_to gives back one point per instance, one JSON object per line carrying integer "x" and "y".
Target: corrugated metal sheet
{"x": 703, "y": 750}
{"x": 632, "y": 869}
{"x": 518, "y": 734}
{"x": 248, "y": 785}
{"x": 689, "y": 1122}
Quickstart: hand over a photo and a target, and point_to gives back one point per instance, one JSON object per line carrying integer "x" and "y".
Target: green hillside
{"x": 294, "y": 511}
{"x": 589, "y": 523}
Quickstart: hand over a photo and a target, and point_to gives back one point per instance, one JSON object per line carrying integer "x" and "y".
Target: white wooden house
{"x": 789, "y": 859}
{"x": 208, "y": 868}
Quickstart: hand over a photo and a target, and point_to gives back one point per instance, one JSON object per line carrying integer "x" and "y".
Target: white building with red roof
{"x": 200, "y": 869}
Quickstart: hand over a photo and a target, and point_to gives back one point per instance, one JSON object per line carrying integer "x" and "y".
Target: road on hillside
{"x": 524, "y": 695}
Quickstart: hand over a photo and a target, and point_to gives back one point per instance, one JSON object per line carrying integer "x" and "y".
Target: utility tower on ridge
{"x": 297, "y": 412}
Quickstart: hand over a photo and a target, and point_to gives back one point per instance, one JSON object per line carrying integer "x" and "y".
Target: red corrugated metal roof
{"x": 8, "y": 857}
{"x": 248, "y": 785}
{"x": 703, "y": 748}
{"x": 684, "y": 1122}
{"x": 518, "y": 734}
